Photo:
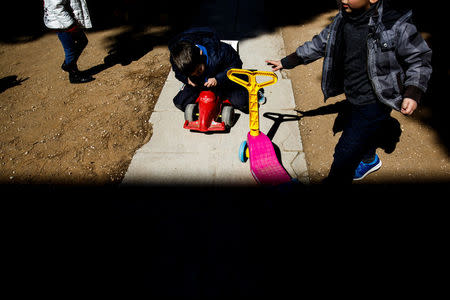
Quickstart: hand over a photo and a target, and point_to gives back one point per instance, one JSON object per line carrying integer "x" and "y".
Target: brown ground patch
{"x": 52, "y": 131}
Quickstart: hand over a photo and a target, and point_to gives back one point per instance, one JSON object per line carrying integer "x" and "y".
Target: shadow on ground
{"x": 211, "y": 242}
{"x": 387, "y": 141}
{"x": 9, "y": 82}
{"x": 218, "y": 242}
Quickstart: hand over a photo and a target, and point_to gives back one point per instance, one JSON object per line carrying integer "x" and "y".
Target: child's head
{"x": 189, "y": 59}
{"x": 354, "y": 6}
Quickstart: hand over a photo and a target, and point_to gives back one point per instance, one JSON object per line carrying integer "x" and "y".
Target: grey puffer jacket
{"x": 62, "y": 14}
{"x": 398, "y": 59}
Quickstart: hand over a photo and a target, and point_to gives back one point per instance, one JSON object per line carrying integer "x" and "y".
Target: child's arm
{"x": 230, "y": 59}
{"x": 415, "y": 55}
{"x": 276, "y": 64}
{"x": 408, "y": 106}
{"x": 211, "y": 82}
{"x": 305, "y": 54}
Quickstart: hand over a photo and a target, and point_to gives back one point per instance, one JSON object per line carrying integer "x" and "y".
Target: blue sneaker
{"x": 365, "y": 169}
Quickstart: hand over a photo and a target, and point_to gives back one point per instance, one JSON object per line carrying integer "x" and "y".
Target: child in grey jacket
{"x": 375, "y": 56}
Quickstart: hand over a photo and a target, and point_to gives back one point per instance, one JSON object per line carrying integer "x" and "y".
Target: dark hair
{"x": 186, "y": 57}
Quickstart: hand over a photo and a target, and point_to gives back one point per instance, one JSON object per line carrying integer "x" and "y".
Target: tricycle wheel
{"x": 243, "y": 152}
{"x": 190, "y": 112}
{"x": 228, "y": 115}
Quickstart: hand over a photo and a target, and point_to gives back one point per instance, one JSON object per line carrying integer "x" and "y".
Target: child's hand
{"x": 211, "y": 82}
{"x": 408, "y": 106}
{"x": 191, "y": 83}
{"x": 276, "y": 64}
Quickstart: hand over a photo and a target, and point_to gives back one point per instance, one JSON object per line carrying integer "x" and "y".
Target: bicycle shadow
{"x": 278, "y": 119}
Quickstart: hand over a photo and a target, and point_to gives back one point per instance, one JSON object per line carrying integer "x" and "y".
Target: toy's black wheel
{"x": 190, "y": 112}
{"x": 228, "y": 115}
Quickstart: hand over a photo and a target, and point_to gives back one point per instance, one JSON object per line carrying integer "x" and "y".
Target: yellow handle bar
{"x": 252, "y": 86}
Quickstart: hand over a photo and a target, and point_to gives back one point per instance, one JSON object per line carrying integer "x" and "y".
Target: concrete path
{"x": 177, "y": 156}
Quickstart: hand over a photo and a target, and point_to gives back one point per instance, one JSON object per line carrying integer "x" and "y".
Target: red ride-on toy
{"x": 209, "y": 113}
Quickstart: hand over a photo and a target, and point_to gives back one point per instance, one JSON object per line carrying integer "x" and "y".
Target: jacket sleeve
{"x": 309, "y": 51}
{"x": 415, "y": 55}
{"x": 56, "y": 15}
{"x": 230, "y": 59}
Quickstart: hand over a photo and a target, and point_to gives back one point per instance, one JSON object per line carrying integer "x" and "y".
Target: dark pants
{"x": 237, "y": 95}
{"x": 73, "y": 43}
{"x": 363, "y": 130}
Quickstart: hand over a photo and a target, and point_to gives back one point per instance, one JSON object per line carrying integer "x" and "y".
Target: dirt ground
{"x": 55, "y": 132}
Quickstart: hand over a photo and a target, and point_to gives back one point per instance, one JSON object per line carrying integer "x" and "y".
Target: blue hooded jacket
{"x": 220, "y": 56}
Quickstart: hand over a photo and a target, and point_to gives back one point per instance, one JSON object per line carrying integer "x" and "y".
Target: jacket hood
{"x": 196, "y": 35}
{"x": 390, "y": 13}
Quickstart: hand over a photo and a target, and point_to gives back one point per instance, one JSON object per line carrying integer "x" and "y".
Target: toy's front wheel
{"x": 228, "y": 115}
{"x": 190, "y": 113}
{"x": 243, "y": 152}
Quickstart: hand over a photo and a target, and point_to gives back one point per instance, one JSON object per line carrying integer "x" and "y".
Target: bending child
{"x": 375, "y": 55}
{"x": 201, "y": 61}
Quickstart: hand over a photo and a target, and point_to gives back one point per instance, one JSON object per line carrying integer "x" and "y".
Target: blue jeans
{"x": 73, "y": 43}
{"x": 362, "y": 133}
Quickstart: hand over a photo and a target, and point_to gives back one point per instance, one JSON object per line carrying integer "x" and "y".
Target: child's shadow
{"x": 389, "y": 134}
{"x": 128, "y": 46}
{"x": 10, "y": 81}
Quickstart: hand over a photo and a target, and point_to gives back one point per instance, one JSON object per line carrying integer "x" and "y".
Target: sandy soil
{"x": 419, "y": 155}
{"x": 52, "y": 131}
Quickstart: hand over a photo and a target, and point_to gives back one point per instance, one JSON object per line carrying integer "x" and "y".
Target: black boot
{"x": 69, "y": 67}
{"x": 75, "y": 76}
{"x": 79, "y": 77}
{"x": 65, "y": 67}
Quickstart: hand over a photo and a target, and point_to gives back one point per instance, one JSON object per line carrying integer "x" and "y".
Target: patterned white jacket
{"x": 62, "y": 14}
